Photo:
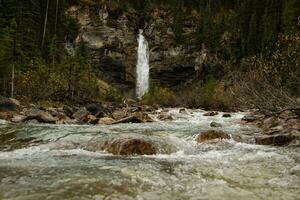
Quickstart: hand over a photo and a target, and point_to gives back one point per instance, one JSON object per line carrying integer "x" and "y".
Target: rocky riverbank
{"x": 278, "y": 129}
{"x": 127, "y": 112}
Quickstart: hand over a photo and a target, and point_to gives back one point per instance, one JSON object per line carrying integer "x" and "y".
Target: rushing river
{"x": 64, "y": 162}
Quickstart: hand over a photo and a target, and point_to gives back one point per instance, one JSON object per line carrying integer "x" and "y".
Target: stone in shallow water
{"x": 215, "y": 124}
{"x": 211, "y": 135}
{"x": 183, "y": 111}
{"x": 211, "y": 114}
{"x": 249, "y": 118}
{"x": 129, "y": 146}
{"x": 226, "y": 115}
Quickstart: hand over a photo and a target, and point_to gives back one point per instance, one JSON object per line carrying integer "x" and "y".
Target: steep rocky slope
{"x": 111, "y": 35}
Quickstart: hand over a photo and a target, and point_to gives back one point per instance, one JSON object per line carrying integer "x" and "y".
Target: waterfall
{"x": 142, "y": 68}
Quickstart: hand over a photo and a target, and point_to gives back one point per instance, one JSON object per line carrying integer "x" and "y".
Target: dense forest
{"x": 40, "y": 57}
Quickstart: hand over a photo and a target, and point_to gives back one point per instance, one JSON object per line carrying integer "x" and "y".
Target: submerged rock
{"x": 183, "y": 111}
{"x": 210, "y": 114}
{"x": 249, "y": 118}
{"x": 129, "y": 147}
{"x": 211, "y": 135}
{"x": 215, "y": 124}
{"x": 165, "y": 116}
{"x": 226, "y": 115}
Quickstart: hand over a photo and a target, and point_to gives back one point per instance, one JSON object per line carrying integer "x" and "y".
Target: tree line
{"x": 34, "y": 36}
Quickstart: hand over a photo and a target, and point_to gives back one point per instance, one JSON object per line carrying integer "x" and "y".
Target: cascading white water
{"x": 142, "y": 68}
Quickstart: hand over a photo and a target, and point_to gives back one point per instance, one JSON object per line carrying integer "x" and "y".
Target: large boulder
{"x": 119, "y": 114}
{"x": 289, "y": 114}
{"x": 271, "y": 122}
{"x": 81, "y": 114}
{"x": 9, "y": 104}
{"x": 106, "y": 121}
{"x": 90, "y": 119}
{"x": 18, "y": 118}
{"x": 276, "y": 140}
{"x": 129, "y": 146}
{"x": 68, "y": 110}
{"x": 211, "y": 135}
{"x": 6, "y": 115}
{"x": 95, "y": 109}
{"x": 41, "y": 116}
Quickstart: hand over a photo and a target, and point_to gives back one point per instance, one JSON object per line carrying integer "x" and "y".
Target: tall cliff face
{"x": 111, "y": 35}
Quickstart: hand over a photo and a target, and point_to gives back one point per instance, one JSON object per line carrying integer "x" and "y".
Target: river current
{"x": 39, "y": 161}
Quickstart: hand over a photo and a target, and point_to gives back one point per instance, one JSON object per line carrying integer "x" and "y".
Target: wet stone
{"x": 210, "y": 114}
{"x": 226, "y": 115}
{"x": 215, "y": 124}
{"x": 212, "y": 135}
{"x": 129, "y": 147}
{"x": 249, "y": 118}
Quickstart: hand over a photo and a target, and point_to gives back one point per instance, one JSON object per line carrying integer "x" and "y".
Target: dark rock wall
{"x": 111, "y": 35}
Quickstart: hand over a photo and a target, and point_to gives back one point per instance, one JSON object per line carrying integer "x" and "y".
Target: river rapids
{"x": 40, "y": 161}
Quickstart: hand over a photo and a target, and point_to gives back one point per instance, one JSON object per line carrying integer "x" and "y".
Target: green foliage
{"x": 208, "y": 95}
{"x": 112, "y": 95}
{"x": 282, "y": 65}
{"x": 159, "y": 95}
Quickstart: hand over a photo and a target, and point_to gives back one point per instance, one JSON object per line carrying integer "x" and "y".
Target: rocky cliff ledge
{"x": 111, "y": 35}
